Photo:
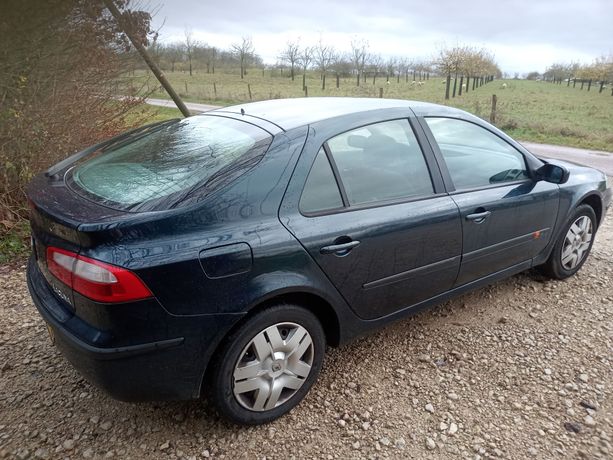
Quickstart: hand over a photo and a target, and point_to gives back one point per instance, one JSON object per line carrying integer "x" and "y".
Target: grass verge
{"x": 528, "y": 110}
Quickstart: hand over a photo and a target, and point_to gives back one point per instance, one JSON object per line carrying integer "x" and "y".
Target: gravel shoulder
{"x": 520, "y": 369}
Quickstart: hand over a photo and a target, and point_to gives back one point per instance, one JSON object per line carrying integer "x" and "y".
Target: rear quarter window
{"x": 171, "y": 166}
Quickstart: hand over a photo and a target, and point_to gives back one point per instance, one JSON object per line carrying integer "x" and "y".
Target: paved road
{"x": 593, "y": 158}
{"x": 194, "y": 107}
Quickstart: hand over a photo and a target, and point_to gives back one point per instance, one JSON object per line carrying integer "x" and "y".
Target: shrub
{"x": 60, "y": 71}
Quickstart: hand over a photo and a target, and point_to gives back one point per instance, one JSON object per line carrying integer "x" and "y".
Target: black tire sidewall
{"x": 554, "y": 264}
{"x": 221, "y": 377}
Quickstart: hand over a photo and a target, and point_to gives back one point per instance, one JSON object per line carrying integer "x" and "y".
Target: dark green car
{"x": 221, "y": 254}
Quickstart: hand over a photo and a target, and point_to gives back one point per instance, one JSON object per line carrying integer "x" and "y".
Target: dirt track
{"x": 521, "y": 369}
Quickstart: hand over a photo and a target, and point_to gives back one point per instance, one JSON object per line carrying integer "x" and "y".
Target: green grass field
{"x": 527, "y": 110}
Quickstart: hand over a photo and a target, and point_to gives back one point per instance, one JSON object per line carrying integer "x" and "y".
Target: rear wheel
{"x": 572, "y": 248}
{"x": 267, "y": 365}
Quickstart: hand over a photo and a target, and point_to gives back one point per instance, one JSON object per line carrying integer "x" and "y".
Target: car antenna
{"x": 242, "y": 111}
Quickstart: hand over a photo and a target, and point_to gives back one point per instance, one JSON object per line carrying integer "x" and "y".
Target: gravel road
{"x": 521, "y": 369}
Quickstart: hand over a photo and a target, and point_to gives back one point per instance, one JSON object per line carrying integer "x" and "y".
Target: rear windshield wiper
{"x": 141, "y": 131}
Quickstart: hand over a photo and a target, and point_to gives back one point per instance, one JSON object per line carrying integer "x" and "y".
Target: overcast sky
{"x": 524, "y": 35}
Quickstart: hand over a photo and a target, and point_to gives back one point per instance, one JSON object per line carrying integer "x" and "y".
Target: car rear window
{"x": 170, "y": 166}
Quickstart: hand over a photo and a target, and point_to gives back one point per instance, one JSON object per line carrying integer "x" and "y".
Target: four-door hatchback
{"x": 222, "y": 253}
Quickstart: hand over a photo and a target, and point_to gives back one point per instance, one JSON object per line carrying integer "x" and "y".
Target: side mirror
{"x": 552, "y": 173}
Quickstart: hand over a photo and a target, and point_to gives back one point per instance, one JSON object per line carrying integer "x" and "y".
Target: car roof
{"x": 292, "y": 113}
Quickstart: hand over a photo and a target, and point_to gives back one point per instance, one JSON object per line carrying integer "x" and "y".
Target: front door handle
{"x": 339, "y": 249}
{"x": 478, "y": 217}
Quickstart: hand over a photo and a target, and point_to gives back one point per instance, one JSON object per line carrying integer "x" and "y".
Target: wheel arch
{"x": 307, "y": 298}
{"x": 313, "y": 301}
{"x": 595, "y": 202}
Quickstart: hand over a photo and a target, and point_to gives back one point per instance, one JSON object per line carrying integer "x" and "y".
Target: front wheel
{"x": 267, "y": 365}
{"x": 572, "y": 248}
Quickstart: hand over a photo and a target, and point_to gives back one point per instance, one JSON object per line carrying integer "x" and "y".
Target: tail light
{"x": 94, "y": 279}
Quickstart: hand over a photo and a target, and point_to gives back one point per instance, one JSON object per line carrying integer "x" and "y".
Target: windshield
{"x": 171, "y": 166}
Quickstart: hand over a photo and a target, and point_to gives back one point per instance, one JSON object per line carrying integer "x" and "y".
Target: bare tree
{"x": 402, "y": 68}
{"x": 291, "y": 55}
{"x": 324, "y": 56}
{"x": 375, "y": 64}
{"x": 390, "y": 68}
{"x": 207, "y": 55}
{"x": 243, "y": 52}
{"x": 305, "y": 57}
{"x": 190, "y": 46}
{"x": 340, "y": 65}
{"x": 359, "y": 56}
{"x": 173, "y": 53}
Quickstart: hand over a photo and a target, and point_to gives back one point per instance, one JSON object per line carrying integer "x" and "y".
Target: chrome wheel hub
{"x": 576, "y": 243}
{"x": 273, "y": 366}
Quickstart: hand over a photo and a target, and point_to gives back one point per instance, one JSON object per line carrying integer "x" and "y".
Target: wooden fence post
{"x": 568, "y": 83}
{"x": 582, "y": 82}
{"x": 589, "y": 84}
{"x": 306, "y": 91}
{"x": 304, "y": 81}
{"x": 493, "y": 114}
{"x": 249, "y": 89}
{"x": 467, "y": 83}
{"x": 574, "y": 82}
{"x": 381, "y": 93}
{"x": 601, "y": 86}
{"x": 186, "y": 92}
{"x": 461, "y": 83}
{"x": 338, "y": 81}
{"x": 447, "y": 84}
{"x": 215, "y": 89}
{"x": 323, "y": 82}
{"x": 455, "y": 84}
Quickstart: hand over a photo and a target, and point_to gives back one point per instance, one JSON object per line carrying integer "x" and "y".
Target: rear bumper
{"x": 169, "y": 368}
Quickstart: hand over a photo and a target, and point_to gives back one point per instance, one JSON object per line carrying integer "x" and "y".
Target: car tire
{"x": 573, "y": 246}
{"x": 267, "y": 365}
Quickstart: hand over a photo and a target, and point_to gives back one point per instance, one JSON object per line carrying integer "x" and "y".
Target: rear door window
{"x": 381, "y": 162}
{"x": 171, "y": 166}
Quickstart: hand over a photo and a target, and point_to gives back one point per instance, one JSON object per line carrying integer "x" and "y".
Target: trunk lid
{"x": 56, "y": 215}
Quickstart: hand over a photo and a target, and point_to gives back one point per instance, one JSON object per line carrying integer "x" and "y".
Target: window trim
{"x": 442, "y": 164}
{"x": 372, "y": 205}
{"x": 336, "y": 174}
{"x": 347, "y": 207}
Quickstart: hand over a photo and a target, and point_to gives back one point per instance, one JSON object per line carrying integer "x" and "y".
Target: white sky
{"x": 524, "y": 35}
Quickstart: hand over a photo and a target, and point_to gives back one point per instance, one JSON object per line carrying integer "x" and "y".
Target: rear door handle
{"x": 339, "y": 249}
{"x": 478, "y": 217}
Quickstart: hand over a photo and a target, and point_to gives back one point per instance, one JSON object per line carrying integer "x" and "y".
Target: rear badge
{"x": 60, "y": 294}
